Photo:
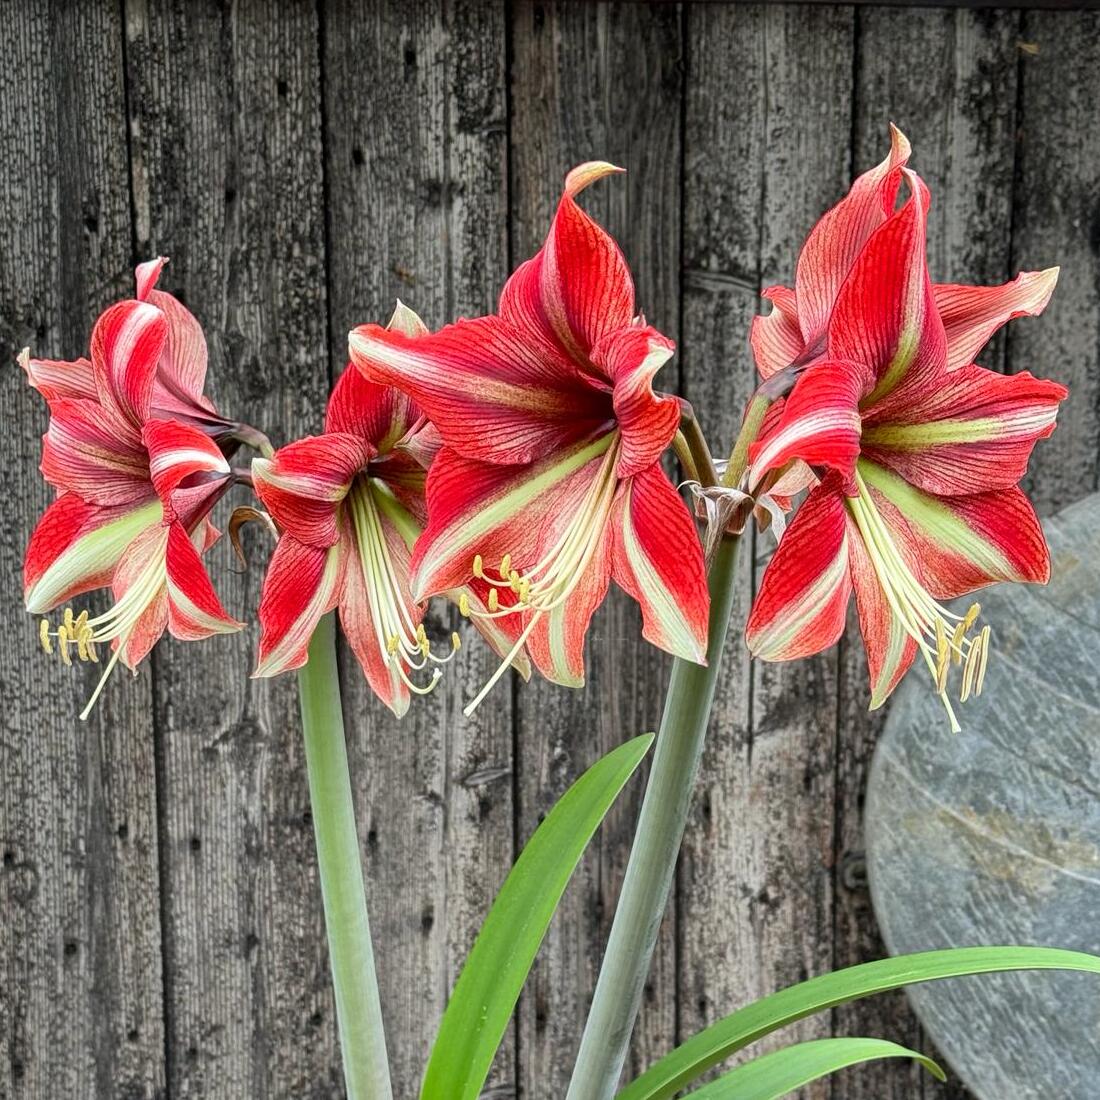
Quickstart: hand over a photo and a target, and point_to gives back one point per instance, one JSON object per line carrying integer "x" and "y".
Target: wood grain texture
{"x": 769, "y": 122}
{"x": 226, "y": 139}
{"x": 80, "y": 991}
{"x": 416, "y": 162}
{"x": 596, "y": 82}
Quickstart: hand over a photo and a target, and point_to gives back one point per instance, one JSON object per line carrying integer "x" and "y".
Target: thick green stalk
{"x": 358, "y": 1010}
{"x": 656, "y": 845}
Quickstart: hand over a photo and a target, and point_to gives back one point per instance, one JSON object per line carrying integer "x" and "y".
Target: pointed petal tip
{"x": 406, "y": 320}
{"x": 900, "y": 147}
{"x": 588, "y": 173}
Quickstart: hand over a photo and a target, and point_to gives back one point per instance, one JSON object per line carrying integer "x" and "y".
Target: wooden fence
{"x": 302, "y": 164}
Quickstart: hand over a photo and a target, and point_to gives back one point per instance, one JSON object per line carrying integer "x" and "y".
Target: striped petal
{"x": 973, "y": 431}
{"x": 178, "y": 452}
{"x": 144, "y": 555}
{"x": 303, "y": 484}
{"x": 963, "y": 542}
{"x": 76, "y": 546}
{"x": 379, "y": 414}
{"x": 194, "y": 610}
{"x": 885, "y": 316}
{"x": 577, "y": 288}
{"x": 302, "y": 583}
{"x": 971, "y": 314}
{"x": 126, "y": 346}
{"x": 59, "y": 378}
{"x": 819, "y": 423}
{"x": 146, "y": 275}
{"x": 801, "y": 606}
{"x": 658, "y": 559}
{"x": 776, "y": 337}
{"x": 492, "y": 392}
{"x": 836, "y": 242}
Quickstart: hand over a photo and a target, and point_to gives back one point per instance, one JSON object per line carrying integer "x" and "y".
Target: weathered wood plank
{"x": 226, "y": 142}
{"x": 596, "y": 82}
{"x": 80, "y": 991}
{"x": 959, "y": 114}
{"x": 768, "y": 126}
{"x": 416, "y": 161}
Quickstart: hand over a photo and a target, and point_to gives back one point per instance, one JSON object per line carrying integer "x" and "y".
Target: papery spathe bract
{"x": 549, "y": 482}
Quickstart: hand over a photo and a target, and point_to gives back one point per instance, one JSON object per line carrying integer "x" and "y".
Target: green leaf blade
{"x": 782, "y": 1071}
{"x": 488, "y": 988}
{"x": 725, "y": 1037}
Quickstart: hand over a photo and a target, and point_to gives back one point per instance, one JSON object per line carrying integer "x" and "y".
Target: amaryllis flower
{"x": 135, "y": 493}
{"x": 350, "y": 503}
{"x": 918, "y": 464}
{"x": 795, "y": 330}
{"x": 549, "y": 483}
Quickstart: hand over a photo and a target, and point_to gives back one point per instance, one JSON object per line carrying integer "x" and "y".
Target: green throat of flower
{"x": 943, "y": 638}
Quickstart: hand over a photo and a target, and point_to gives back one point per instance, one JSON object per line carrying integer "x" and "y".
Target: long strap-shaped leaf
{"x": 488, "y": 987}
{"x": 782, "y": 1071}
{"x": 717, "y": 1042}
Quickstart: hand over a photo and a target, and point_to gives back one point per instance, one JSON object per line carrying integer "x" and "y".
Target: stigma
{"x": 952, "y": 646}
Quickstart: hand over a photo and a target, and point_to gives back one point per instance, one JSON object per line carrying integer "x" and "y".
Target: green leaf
{"x": 782, "y": 1071}
{"x": 488, "y": 987}
{"x": 717, "y": 1042}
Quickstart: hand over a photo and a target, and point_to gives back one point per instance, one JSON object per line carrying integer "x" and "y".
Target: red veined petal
{"x": 179, "y": 451}
{"x": 971, "y": 314}
{"x": 776, "y": 337}
{"x": 303, "y": 483}
{"x": 194, "y": 610}
{"x": 835, "y": 243}
{"x": 648, "y": 421}
{"x": 126, "y": 345}
{"x": 972, "y": 433}
{"x": 181, "y": 374}
{"x": 302, "y": 583}
{"x": 963, "y": 542}
{"x": 145, "y": 554}
{"x": 658, "y": 559}
{"x": 890, "y": 649}
{"x": 492, "y": 392}
{"x": 59, "y": 378}
{"x": 76, "y": 546}
{"x": 885, "y": 316}
{"x": 819, "y": 424}
{"x": 801, "y": 606}
{"x": 380, "y": 414}
{"x": 90, "y": 451}
{"x": 146, "y": 276}
{"x": 577, "y": 288}
{"x": 502, "y": 633}
{"x": 476, "y": 508}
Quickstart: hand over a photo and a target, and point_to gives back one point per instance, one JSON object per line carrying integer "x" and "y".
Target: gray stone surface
{"x": 993, "y": 836}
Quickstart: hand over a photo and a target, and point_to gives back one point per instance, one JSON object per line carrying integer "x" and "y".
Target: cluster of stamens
{"x": 943, "y": 637}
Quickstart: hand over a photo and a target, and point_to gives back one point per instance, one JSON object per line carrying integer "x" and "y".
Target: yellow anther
{"x": 972, "y": 660}
{"x": 44, "y": 636}
{"x": 422, "y": 640}
{"x": 513, "y": 580}
{"x": 524, "y": 590}
{"x": 82, "y": 646}
{"x": 479, "y": 567}
{"x": 456, "y": 642}
{"x": 506, "y": 567}
{"x": 93, "y": 654}
{"x": 392, "y": 642}
{"x": 464, "y": 605}
{"x": 983, "y": 641}
{"x": 943, "y": 666}
{"x": 956, "y": 644}
{"x": 971, "y": 616}
{"x": 67, "y": 622}
{"x": 494, "y": 600}
{"x": 942, "y": 650}
{"x": 63, "y": 645}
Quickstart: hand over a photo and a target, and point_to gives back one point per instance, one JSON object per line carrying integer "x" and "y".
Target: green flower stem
{"x": 656, "y": 845}
{"x": 358, "y": 1010}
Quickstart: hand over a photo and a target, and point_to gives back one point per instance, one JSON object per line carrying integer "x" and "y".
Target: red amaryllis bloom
{"x": 350, "y": 504}
{"x": 918, "y": 463}
{"x": 135, "y": 492}
{"x": 795, "y": 330}
{"x": 549, "y": 483}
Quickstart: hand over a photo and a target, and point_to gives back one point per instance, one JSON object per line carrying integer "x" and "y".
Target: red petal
{"x": 194, "y": 610}
{"x": 380, "y": 414}
{"x": 146, "y": 552}
{"x": 648, "y": 421}
{"x": 302, "y": 583}
{"x": 885, "y": 316}
{"x": 974, "y": 431}
{"x": 303, "y": 484}
{"x": 59, "y": 378}
{"x": 492, "y": 392}
{"x": 801, "y": 606}
{"x": 838, "y": 238}
{"x": 776, "y": 338}
{"x": 577, "y": 288}
{"x": 658, "y": 559}
{"x": 820, "y": 422}
{"x": 971, "y": 314}
{"x": 179, "y": 451}
{"x": 146, "y": 276}
{"x": 127, "y": 342}
{"x": 89, "y": 451}
{"x": 502, "y": 633}
{"x": 181, "y": 374}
